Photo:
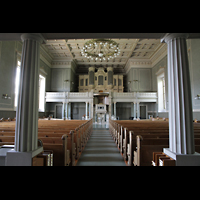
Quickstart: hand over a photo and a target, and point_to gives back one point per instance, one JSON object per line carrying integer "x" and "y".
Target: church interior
{"x": 137, "y": 89}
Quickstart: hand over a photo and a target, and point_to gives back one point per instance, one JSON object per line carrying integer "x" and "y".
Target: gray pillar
{"x": 181, "y": 134}
{"x": 138, "y": 110}
{"x": 115, "y": 112}
{"x": 66, "y": 110}
{"x": 69, "y": 111}
{"x": 63, "y": 110}
{"x": 86, "y": 110}
{"x": 156, "y": 109}
{"x": 26, "y": 131}
{"x": 134, "y": 110}
{"x": 89, "y": 108}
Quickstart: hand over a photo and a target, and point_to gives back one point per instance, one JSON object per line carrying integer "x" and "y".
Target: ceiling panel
{"x": 130, "y": 48}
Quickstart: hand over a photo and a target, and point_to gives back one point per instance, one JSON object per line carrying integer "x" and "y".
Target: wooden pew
{"x": 63, "y": 137}
{"x": 145, "y": 149}
{"x": 161, "y": 159}
{"x": 45, "y": 158}
{"x": 146, "y": 128}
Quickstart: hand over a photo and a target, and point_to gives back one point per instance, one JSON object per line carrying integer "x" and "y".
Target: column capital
{"x": 33, "y": 36}
{"x": 170, "y": 36}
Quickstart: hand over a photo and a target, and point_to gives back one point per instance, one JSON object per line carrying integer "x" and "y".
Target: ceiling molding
{"x": 137, "y": 63}
{"x": 61, "y": 64}
{"x": 159, "y": 54}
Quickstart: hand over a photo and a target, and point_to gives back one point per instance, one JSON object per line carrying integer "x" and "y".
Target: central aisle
{"x": 101, "y": 150}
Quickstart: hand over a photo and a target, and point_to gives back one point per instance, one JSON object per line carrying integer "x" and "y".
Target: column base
{"x": 184, "y": 159}
{"x": 16, "y": 158}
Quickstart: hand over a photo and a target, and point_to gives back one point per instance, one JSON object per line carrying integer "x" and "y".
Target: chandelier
{"x": 100, "y": 49}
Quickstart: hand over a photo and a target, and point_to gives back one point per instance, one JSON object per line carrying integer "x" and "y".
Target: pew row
{"x": 65, "y": 138}
{"x": 125, "y": 132}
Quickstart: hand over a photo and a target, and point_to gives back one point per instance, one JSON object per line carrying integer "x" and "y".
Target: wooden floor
{"x": 101, "y": 150}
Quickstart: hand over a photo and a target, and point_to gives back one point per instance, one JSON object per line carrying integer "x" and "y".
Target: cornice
{"x": 159, "y": 55}
{"x": 137, "y": 63}
{"x": 61, "y": 64}
{"x": 45, "y": 56}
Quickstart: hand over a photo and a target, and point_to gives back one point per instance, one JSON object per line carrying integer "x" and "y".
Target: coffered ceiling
{"x": 145, "y": 47}
{"x": 68, "y": 50}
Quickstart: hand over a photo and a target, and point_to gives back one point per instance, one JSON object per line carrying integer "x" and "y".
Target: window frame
{"x": 161, "y": 90}
{"x": 41, "y": 92}
{"x": 17, "y": 83}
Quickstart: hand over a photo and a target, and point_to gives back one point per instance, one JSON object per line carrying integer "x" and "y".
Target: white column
{"x": 90, "y": 110}
{"x": 66, "y": 110}
{"x": 27, "y": 109}
{"x": 138, "y": 110}
{"x": 26, "y": 131}
{"x": 110, "y": 104}
{"x": 63, "y": 110}
{"x": 156, "y": 108}
{"x": 134, "y": 110}
{"x": 86, "y": 110}
{"x": 69, "y": 111}
{"x": 181, "y": 134}
{"x": 115, "y": 112}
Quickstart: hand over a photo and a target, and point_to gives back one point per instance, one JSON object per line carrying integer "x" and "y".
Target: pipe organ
{"x": 101, "y": 81}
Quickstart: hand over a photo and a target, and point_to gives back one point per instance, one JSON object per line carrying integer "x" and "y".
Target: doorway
{"x": 143, "y": 112}
{"x": 58, "y": 113}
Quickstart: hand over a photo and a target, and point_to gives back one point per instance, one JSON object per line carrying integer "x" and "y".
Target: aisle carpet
{"x": 101, "y": 150}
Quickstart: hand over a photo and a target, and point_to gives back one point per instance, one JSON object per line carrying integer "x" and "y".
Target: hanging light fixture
{"x": 100, "y": 50}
